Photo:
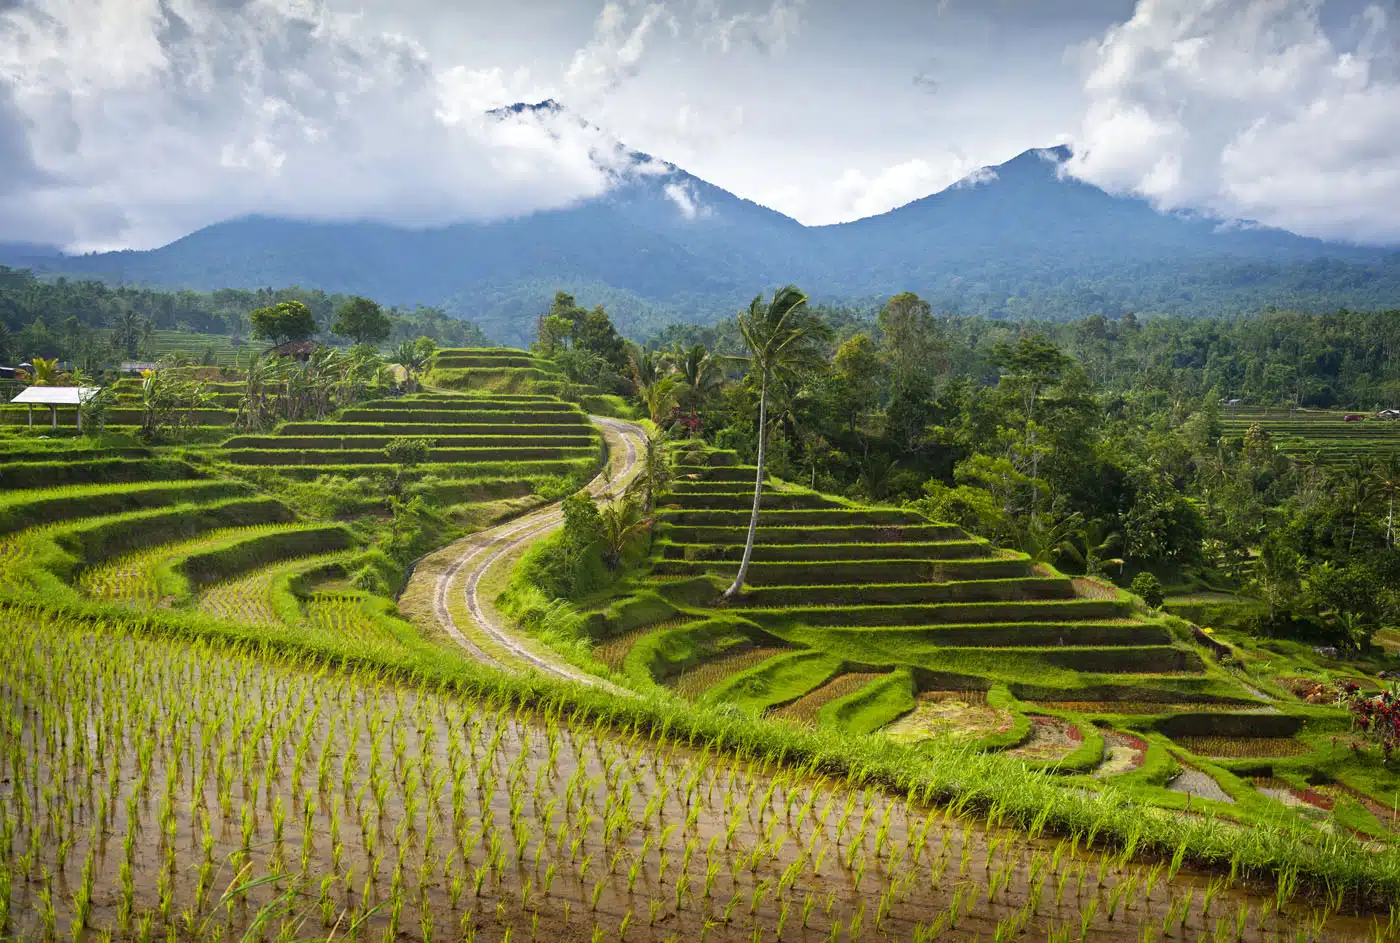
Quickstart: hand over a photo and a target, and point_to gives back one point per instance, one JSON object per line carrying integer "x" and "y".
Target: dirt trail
{"x": 451, "y": 577}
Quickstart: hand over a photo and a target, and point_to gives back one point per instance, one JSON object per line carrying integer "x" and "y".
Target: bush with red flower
{"x": 1378, "y": 715}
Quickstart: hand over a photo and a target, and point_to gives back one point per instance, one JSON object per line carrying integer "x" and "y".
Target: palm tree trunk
{"x": 737, "y": 586}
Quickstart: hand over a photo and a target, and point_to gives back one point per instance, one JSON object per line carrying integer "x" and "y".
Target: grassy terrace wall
{"x": 920, "y": 615}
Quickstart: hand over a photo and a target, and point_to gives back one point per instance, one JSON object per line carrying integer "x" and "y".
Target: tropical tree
{"x": 362, "y": 321}
{"x": 262, "y": 387}
{"x": 129, "y": 331}
{"x": 655, "y": 472}
{"x": 621, "y": 522}
{"x": 414, "y": 357}
{"x": 698, "y": 374}
{"x": 1090, "y": 547}
{"x": 660, "y": 398}
{"x": 784, "y": 338}
{"x": 168, "y": 402}
{"x": 283, "y": 322}
{"x": 46, "y": 372}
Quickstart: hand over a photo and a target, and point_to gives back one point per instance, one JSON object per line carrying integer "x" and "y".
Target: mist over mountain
{"x": 1021, "y": 239}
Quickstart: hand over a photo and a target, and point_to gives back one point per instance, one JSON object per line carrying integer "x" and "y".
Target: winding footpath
{"x": 454, "y": 573}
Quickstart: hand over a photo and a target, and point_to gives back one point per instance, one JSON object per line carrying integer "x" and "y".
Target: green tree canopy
{"x": 362, "y": 321}
{"x": 283, "y": 322}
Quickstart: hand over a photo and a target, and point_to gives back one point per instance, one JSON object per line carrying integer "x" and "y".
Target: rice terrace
{"x": 326, "y": 649}
{"x": 960, "y": 505}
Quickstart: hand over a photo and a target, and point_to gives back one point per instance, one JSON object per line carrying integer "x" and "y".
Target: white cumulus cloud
{"x": 1261, "y": 109}
{"x": 127, "y": 123}
{"x": 857, "y": 194}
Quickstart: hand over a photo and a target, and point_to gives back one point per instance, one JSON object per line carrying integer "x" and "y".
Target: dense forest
{"x": 93, "y": 325}
{"x": 1105, "y": 446}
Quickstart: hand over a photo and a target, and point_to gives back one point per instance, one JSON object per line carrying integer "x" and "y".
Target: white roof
{"x": 55, "y": 395}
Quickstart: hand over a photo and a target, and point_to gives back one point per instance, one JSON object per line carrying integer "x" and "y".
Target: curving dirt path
{"x": 451, "y": 577}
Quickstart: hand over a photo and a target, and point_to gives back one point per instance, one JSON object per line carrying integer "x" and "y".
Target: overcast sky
{"x": 128, "y": 123}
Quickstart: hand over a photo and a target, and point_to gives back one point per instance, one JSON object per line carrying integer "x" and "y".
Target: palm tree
{"x": 660, "y": 398}
{"x": 699, "y": 374}
{"x": 1388, "y": 472}
{"x": 655, "y": 472}
{"x": 622, "y": 520}
{"x": 413, "y": 358}
{"x": 46, "y": 371}
{"x": 784, "y": 338}
{"x": 1090, "y": 546}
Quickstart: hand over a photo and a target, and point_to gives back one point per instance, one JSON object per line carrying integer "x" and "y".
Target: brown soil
{"x": 949, "y": 716}
{"x": 1122, "y": 753}
{"x": 1198, "y": 785}
{"x": 1051, "y": 739}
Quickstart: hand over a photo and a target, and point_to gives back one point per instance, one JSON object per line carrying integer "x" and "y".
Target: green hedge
{"x": 1004, "y": 635}
{"x": 576, "y": 425}
{"x": 776, "y": 681}
{"x": 114, "y": 470}
{"x": 724, "y": 501}
{"x": 575, "y": 439}
{"x": 961, "y": 613}
{"x": 111, "y": 537}
{"x": 627, "y": 615}
{"x": 1228, "y": 725}
{"x": 525, "y": 415}
{"x": 563, "y": 469}
{"x": 735, "y": 531}
{"x": 53, "y": 452}
{"x": 816, "y": 552}
{"x": 800, "y": 519}
{"x": 121, "y": 416}
{"x": 181, "y": 576}
{"x": 873, "y": 707}
{"x": 464, "y": 361}
{"x": 1005, "y": 590}
{"x": 376, "y": 457}
{"x": 660, "y": 656}
{"x": 999, "y": 697}
{"x": 30, "y": 509}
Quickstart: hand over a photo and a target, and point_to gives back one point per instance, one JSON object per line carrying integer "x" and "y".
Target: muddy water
{"x": 163, "y": 772}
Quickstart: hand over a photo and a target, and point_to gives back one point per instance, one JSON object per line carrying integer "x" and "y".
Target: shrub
{"x": 1149, "y": 588}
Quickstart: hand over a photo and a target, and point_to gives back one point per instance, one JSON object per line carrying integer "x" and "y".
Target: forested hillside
{"x": 1021, "y": 240}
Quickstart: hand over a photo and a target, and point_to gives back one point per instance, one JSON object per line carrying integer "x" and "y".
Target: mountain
{"x": 1021, "y": 239}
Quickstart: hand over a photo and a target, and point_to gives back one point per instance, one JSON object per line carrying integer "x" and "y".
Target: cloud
{"x": 132, "y": 122}
{"x": 686, "y": 200}
{"x": 977, "y": 178}
{"x": 856, "y": 194}
{"x": 615, "y": 52}
{"x": 1249, "y": 108}
{"x": 768, "y": 31}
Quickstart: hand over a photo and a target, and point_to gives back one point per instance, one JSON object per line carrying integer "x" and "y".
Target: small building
{"x": 138, "y": 366}
{"x": 1392, "y": 414}
{"x": 54, "y": 397}
{"x": 296, "y": 350}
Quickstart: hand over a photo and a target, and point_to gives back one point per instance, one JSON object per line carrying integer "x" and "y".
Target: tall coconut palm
{"x": 784, "y": 338}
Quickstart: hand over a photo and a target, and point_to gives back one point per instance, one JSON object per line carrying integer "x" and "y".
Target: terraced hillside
{"x": 137, "y": 531}
{"x": 491, "y": 455}
{"x": 873, "y": 619}
{"x": 1323, "y": 433}
{"x": 506, "y": 370}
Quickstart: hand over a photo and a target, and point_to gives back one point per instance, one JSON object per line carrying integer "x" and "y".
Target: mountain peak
{"x": 548, "y": 106}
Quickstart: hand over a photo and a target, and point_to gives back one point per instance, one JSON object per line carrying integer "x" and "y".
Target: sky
{"x": 129, "y": 123}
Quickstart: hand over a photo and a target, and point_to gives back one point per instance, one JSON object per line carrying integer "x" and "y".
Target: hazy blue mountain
{"x": 1019, "y": 239}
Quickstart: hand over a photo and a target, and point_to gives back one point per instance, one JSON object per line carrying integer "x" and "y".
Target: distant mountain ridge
{"x": 1020, "y": 239}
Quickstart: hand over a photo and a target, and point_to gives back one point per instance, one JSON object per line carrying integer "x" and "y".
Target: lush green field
{"x": 869, "y": 619}
{"x": 1324, "y": 434}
